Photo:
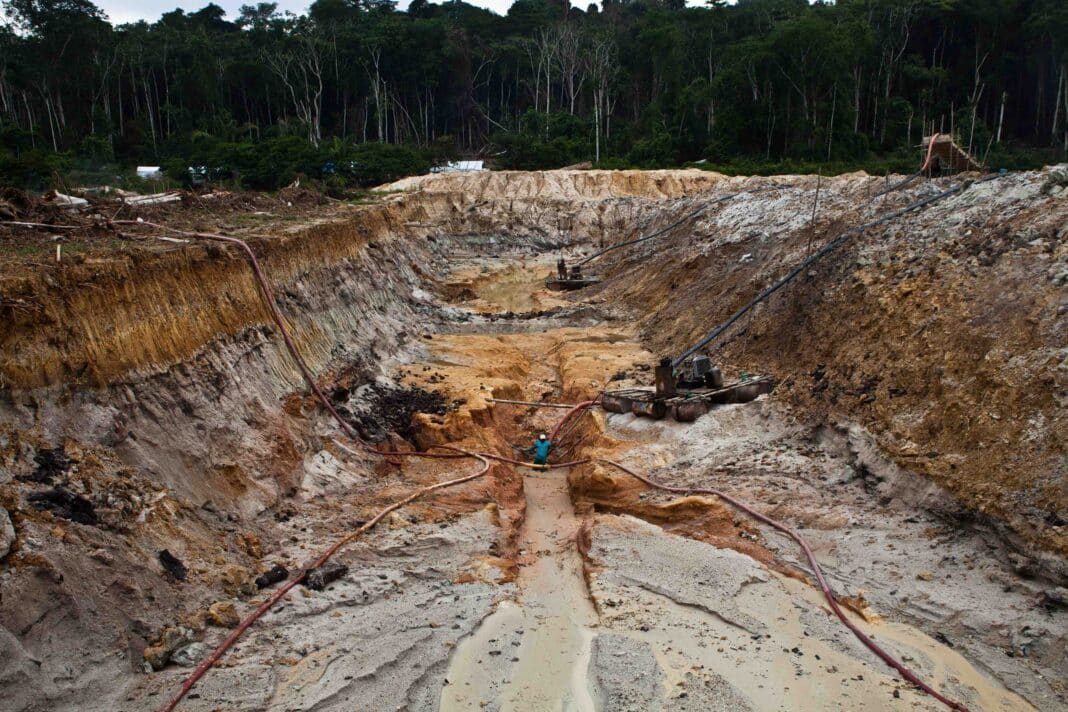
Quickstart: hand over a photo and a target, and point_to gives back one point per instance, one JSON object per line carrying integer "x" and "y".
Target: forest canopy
{"x": 359, "y": 91}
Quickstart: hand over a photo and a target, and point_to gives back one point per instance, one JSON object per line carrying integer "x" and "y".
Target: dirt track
{"x": 647, "y": 602}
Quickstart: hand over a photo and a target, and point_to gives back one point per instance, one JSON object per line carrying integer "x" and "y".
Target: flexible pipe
{"x": 535, "y": 404}
{"x": 886, "y": 657}
{"x": 570, "y": 414}
{"x": 680, "y": 221}
{"x": 534, "y": 465}
{"x": 930, "y": 152}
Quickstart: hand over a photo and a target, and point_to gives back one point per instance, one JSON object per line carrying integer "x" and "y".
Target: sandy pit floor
{"x": 504, "y": 285}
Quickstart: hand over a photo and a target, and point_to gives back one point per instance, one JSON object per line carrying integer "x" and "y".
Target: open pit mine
{"x": 804, "y": 446}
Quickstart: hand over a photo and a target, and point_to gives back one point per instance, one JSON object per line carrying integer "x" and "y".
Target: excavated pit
{"x": 153, "y": 392}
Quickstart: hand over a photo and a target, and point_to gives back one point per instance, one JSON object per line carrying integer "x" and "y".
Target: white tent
{"x": 460, "y": 167}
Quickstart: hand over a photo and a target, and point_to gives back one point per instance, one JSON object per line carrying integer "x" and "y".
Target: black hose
{"x": 898, "y": 186}
{"x": 827, "y": 249}
{"x": 680, "y": 221}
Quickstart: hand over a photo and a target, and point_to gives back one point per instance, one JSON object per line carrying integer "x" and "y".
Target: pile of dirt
{"x": 379, "y": 410}
{"x": 562, "y": 185}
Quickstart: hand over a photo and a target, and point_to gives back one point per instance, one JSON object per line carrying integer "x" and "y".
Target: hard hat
{"x": 541, "y": 437}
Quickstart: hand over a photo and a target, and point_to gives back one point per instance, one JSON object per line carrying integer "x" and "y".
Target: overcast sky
{"x": 120, "y": 11}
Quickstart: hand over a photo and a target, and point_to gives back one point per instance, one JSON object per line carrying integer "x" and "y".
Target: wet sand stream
{"x": 552, "y": 621}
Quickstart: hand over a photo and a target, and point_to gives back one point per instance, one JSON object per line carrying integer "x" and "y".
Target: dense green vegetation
{"x": 370, "y": 92}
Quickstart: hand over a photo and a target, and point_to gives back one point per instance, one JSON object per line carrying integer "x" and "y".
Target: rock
{"x": 102, "y": 556}
{"x": 1022, "y": 565}
{"x": 223, "y": 614}
{"x": 1058, "y": 178}
{"x": 1056, "y": 598}
{"x": 196, "y": 620}
{"x": 849, "y": 473}
{"x": 326, "y": 574}
{"x": 1023, "y": 641}
{"x": 237, "y": 581}
{"x": 7, "y": 533}
{"x": 159, "y": 654}
{"x": 189, "y": 655}
{"x": 173, "y": 565}
{"x": 272, "y": 576}
{"x": 250, "y": 544}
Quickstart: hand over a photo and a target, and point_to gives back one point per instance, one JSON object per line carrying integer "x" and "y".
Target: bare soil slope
{"x": 944, "y": 332}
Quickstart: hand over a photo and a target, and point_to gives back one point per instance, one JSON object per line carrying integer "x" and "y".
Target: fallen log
{"x": 154, "y": 199}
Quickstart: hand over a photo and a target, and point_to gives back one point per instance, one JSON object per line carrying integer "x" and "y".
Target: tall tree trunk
{"x": 1001, "y": 115}
{"x": 29, "y": 121}
{"x": 1057, "y": 105}
{"x": 830, "y": 123}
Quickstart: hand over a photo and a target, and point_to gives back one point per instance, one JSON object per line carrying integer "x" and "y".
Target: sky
{"x": 121, "y": 11}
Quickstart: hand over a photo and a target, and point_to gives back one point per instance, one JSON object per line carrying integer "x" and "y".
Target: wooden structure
{"x": 948, "y": 157}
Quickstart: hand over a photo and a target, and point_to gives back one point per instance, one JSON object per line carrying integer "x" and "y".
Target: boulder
{"x": 223, "y": 614}
{"x": 7, "y": 533}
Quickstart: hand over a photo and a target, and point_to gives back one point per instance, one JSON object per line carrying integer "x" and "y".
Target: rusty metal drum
{"x": 616, "y": 402}
{"x": 688, "y": 411}
{"x": 652, "y": 408}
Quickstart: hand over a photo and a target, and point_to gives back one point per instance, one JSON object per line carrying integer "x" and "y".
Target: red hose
{"x": 861, "y": 636}
{"x": 569, "y": 414}
{"x": 930, "y": 151}
{"x": 534, "y": 465}
{"x": 209, "y": 661}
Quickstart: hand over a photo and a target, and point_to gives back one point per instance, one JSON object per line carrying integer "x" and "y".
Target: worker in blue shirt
{"x": 541, "y": 450}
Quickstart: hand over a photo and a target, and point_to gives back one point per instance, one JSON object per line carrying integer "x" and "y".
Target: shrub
{"x": 546, "y": 142}
{"x": 370, "y": 164}
{"x": 35, "y": 170}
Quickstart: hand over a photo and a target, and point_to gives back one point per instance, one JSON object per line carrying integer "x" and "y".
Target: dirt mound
{"x": 570, "y": 185}
{"x": 380, "y": 410}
